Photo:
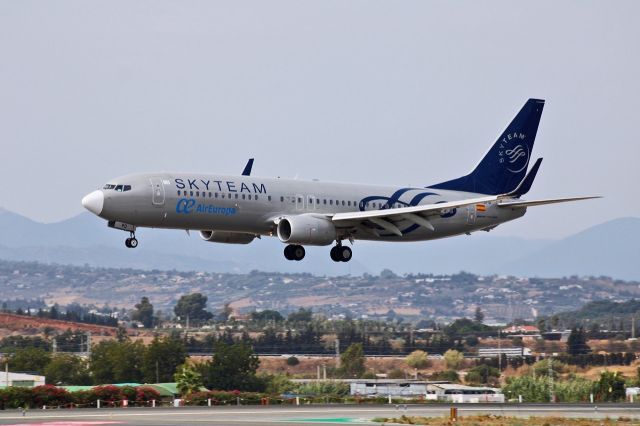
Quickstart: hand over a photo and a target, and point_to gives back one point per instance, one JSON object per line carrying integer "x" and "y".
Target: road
{"x": 291, "y": 415}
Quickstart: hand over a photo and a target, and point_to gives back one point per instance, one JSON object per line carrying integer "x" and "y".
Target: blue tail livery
{"x": 505, "y": 165}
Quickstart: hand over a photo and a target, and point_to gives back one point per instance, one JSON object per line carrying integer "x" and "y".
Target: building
{"x": 521, "y": 329}
{"x": 431, "y": 391}
{"x": 509, "y": 352}
{"x": 451, "y": 392}
{"x": 20, "y": 380}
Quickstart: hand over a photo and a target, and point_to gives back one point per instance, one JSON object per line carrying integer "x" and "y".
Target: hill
{"x": 607, "y": 249}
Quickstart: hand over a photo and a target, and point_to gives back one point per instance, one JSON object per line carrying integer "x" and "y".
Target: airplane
{"x": 238, "y": 209}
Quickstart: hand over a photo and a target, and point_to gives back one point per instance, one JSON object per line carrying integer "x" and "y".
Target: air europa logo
{"x": 185, "y": 205}
{"x": 515, "y": 158}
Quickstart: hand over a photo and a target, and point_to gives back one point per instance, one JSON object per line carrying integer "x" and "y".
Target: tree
{"x": 453, "y": 359}
{"x": 302, "y": 315}
{"x": 233, "y": 367}
{"x": 482, "y": 375}
{"x": 577, "y": 342}
{"x": 162, "y": 358}
{"x": 188, "y": 380}
{"x": 144, "y": 312}
{"x": 479, "y": 315}
{"x": 67, "y": 369}
{"x": 267, "y": 315}
{"x": 417, "y": 359}
{"x": 117, "y": 362}
{"x": 192, "y": 306}
{"x": 33, "y": 360}
{"x": 352, "y": 361}
{"x": 610, "y": 387}
{"x": 225, "y": 312}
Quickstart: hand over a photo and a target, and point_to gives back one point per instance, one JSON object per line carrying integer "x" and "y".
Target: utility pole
{"x": 6, "y": 373}
{"x": 54, "y": 345}
{"x": 337, "y": 353}
{"x": 499, "y": 352}
{"x": 551, "y": 395}
{"x": 88, "y": 343}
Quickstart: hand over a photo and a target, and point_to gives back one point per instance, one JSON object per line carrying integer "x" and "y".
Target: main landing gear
{"x": 294, "y": 252}
{"x": 341, "y": 253}
{"x": 131, "y": 242}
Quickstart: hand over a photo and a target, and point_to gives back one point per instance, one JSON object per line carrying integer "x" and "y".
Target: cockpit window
{"x": 119, "y": 188}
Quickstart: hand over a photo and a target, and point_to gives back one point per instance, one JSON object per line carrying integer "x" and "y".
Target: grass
{"x": 490, "y": 420}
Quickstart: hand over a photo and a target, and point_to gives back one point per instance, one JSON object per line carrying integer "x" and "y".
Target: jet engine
{"x": 306, "y": 229}
{"x": 227, "y": 237}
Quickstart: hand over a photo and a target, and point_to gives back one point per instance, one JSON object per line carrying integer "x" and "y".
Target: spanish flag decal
{"x": 481, "y": 207}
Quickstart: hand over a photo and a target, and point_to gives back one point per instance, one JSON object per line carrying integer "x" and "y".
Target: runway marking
{"x": 72, "y": 423}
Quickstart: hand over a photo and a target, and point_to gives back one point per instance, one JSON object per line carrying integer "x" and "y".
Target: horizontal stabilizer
{"x": 522, "y": 203}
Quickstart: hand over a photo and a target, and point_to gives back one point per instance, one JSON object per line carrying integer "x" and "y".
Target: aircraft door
{"x": 299, "y": 202}
{"x": 158, "y": 191}
{"x": 471, "y": 215}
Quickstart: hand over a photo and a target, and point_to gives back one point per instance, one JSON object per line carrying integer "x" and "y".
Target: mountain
{"x": 608, "y": 249}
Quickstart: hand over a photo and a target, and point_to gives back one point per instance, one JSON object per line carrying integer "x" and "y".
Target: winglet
{"x": 526, "y": 183}
{"x": 247, "y": 168}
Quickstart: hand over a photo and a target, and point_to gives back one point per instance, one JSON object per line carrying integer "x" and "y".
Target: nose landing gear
{"x": 341, "y": 253}
{"x": 131, "y": 242}
{"x": 294, "y": 252}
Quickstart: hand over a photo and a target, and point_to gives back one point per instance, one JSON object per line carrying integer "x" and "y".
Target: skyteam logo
{"x": 188, "y": 206}
{"x": 394, "y": 199}
{"x": 515, "y": 158}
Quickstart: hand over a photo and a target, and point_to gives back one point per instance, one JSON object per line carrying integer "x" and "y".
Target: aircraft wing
{"x": 524, "y": 203}
{"x": 417, "y": 214}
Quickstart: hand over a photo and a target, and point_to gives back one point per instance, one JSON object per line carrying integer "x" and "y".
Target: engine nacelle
{"x": 227, "y": 237}
{"x": 306, "y": 229}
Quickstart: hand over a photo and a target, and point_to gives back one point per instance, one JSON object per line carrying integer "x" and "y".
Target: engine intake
{"x": 306, "y": 229}
{"x": 227, "y": 237}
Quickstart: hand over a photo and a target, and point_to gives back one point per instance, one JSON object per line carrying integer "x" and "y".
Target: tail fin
{"x": 505, "y": 165}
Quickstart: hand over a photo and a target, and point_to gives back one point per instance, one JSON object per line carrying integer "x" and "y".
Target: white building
{"x": 433, "y": 391}
{"x": 20, "y": 380}
{"x": 451, "y": 392}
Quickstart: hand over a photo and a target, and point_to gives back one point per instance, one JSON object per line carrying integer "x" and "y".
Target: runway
{"x": 304, "y": 415}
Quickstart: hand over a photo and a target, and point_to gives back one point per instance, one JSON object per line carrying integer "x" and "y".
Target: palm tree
{"x": 188, "y": 380}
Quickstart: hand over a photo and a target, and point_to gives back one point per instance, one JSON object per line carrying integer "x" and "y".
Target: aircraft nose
{"x": 94, "y": 202}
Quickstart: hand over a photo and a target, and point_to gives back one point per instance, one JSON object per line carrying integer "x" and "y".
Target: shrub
{"x": 293, "y": 361}
{"x": 417, "y": 359}
{"x": 108, "y": 394}
{"x": 447, "y": 376}
{"x": 145, "y": 394}
{"x": 50, "y": 395}
{"x": 453, "y": 359}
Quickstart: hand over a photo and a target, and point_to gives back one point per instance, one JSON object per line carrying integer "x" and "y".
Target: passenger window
{"x": 178, "y": 192}
{"x": 243, "y": 197}
{"x": 282, "y": 199}
{"x": 191, "y": 193}
{"x": 330, "y": 202}
{"x": 119, "y": 188}
{"x": 249, "y": 196}
{"x": 343, "y": 202}
{"x": 268, "y": 197}
{"x": 197, "y": 193}
{"x": 127, "y": 188}
{"x": 324, "y": 201}
{"x": 215, "y": 195}
{"x": 257, "y": 197}
{"x": 209, "y": 195}
{"x": 236, "y": 196}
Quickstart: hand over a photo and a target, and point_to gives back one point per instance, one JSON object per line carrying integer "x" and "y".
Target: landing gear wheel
{"x": 341, "y": 253}
{"x": 133, "y": 242}
{"x": 294, "y": 252}
{"x": 298, "y": 252}
{"x": 127, "y": 242}
{"x": 345, "y": 253}
{"x": 334, "y": 254}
